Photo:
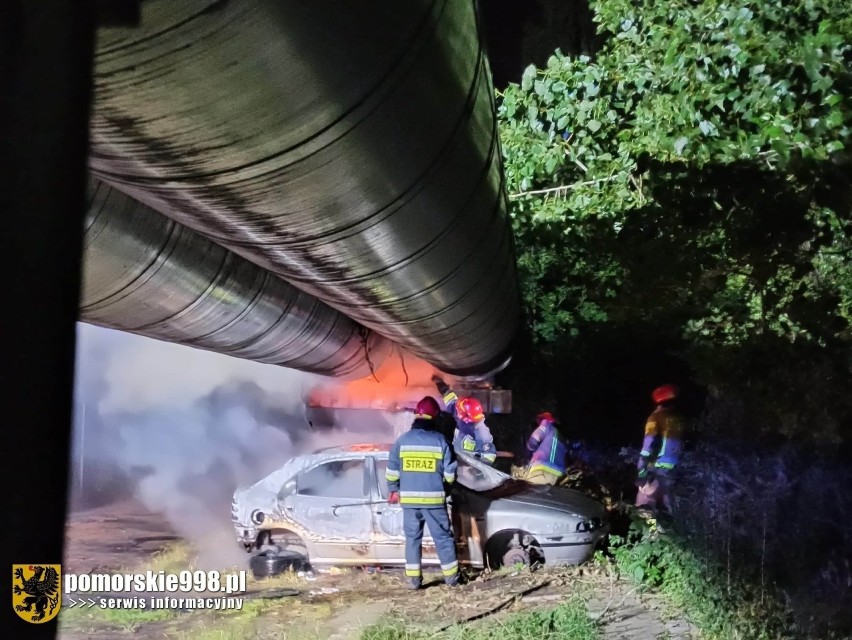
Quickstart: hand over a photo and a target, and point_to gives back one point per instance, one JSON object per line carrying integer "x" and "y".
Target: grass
{"x": 124, "y": 619}
{"x": 174, "y": 557}
{"x": 568, "y": 621}
{"x": 259, "y": 618}
{"x": 244, "y": 633}
{"x": 508, "y": 570}
{"x": 179, "y": 556}
{"x": 722, "y": 607}
{"x": 282, "y": 619}
{"x": 215, "y": 634}
{"x": 288, "y": 579}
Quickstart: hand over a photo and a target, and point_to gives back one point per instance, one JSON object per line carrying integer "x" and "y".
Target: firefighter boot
{"x": 413, "y": 584}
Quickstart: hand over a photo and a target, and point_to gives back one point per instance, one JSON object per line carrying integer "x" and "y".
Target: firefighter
{"x": 472, "y": 435}
{"x": 421, "y": 470}
{"x": 546, "y": 451}
{"x": 660, "y": 451}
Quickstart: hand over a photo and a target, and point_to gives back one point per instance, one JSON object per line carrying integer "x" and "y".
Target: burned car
{"x": 331, "y": 508}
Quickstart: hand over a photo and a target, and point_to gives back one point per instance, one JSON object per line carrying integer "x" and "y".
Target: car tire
{"x": 267, "y": 564}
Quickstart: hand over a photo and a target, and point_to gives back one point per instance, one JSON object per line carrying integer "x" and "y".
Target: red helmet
{"x": 665, "y": 392}
{"x": 470, "y": 410}
{"x": 545, "y": 415}
{"x": 427, "y": 408}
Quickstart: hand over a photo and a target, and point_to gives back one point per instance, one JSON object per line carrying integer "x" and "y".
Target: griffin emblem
{"x": 37, "y": 598}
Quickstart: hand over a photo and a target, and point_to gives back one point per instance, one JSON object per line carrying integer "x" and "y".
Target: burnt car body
{"x": 331, "y": 506}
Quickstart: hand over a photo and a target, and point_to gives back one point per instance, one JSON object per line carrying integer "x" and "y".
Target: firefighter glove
{"x": 443, "y": 387}
{"x": 393, "y": 498}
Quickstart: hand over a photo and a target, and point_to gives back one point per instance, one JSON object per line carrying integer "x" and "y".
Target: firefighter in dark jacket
{"x": 661, "y": 449}
{"x": 472, "y": 435}
{"x": 421, "y": 468}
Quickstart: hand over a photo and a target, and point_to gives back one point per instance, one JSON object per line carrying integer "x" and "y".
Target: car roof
{"x": 366, "y": 447}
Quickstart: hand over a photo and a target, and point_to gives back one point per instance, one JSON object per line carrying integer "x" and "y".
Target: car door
{"x": 387, "y": 520}
{"x": 332, "y": 501}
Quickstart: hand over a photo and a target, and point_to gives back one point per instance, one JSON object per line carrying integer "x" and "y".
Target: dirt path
{"x": 122, "y": 534}
{"x": 348, "y": 622}
{"x": 622, "y": 613}
{"x": 633, "y": 617}
{"x": 335, "y": 605}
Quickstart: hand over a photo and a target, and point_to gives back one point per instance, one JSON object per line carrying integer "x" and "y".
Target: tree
{"x": 694, "y": 175}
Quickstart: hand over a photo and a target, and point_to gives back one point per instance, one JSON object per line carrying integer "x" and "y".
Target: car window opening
{"x": 337, "y": 479}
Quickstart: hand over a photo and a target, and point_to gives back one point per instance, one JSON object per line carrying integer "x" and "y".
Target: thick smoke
{"x": 179, "y": 429}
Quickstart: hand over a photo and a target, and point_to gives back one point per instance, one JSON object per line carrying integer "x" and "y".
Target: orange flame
{"x": 400, "y": 381}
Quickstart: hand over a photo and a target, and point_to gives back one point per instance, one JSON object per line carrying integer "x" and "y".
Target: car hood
{"x": 558, "y": 498}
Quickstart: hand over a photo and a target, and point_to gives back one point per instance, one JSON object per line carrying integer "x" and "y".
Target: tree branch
{"x": 496, "y": 609}
{"x": 561, "y": 189}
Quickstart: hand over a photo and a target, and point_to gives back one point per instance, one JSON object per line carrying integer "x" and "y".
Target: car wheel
{"x": 514, "y": 557}
{"x": 509, "y": 548}
{"x": 272, "y": 563}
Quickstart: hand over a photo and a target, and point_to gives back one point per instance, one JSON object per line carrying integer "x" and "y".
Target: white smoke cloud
{"x": 146, "y": 373}
{"x": 185, "y": 427}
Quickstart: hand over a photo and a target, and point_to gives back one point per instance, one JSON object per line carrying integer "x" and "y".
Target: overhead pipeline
{"x": 349, "y": 147}
{"x": 146, "y": 274}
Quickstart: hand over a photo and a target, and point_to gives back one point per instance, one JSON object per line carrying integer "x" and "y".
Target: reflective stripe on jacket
{"x": 471, "y": 438}
{"x": 547, "y": 450}
{"x": 419, "y": 464}
{"x": 663, "y": 438}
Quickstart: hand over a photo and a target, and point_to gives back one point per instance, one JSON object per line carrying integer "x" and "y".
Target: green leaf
{"x": 594, "y": 126}
{"x": 707, "y": 127}
{"x": 528, "y": 77}
{"x": 834, "y": 119}
{"x": 550, "y": 164}
{"x": 680, "y": 144}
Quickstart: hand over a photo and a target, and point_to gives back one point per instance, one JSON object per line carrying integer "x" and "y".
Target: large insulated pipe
{"x": 349, "y": 147}
{"x": 146, "y": 274}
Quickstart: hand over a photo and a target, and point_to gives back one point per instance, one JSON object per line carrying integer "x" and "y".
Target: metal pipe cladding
{"x": 146, "y": 274}
{"x": 350, "y": 148}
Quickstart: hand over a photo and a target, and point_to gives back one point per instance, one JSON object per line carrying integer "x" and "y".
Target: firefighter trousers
{"x": 655, "y": 492}
{"x": 436, "y": 518}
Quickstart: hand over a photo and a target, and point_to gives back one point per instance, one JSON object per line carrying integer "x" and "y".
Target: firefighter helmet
{"x": 470, "y": 410}
{"x": 427, "y": 408}
{"x": 664, "y": 393}
{"x": 545, "y": 415}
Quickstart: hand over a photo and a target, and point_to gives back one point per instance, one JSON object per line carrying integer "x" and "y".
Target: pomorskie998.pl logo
{"x": 156, "y": 581}
{"x": 37, "y": 590}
